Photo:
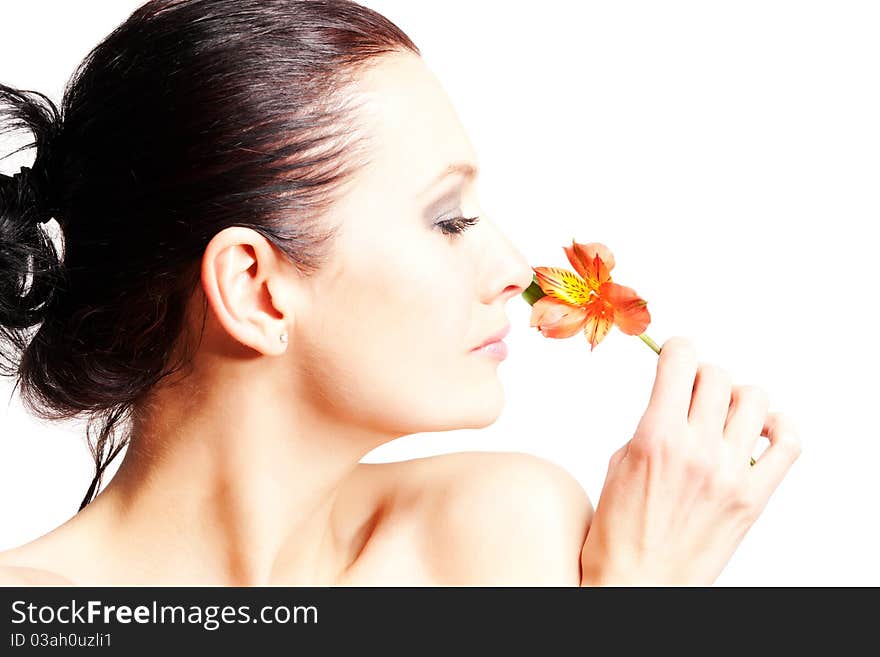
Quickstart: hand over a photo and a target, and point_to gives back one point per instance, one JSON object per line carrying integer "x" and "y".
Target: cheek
{"x": 408, "y": 328}
{"x": 418, "y": 300}
{"x": 392, "y": 351}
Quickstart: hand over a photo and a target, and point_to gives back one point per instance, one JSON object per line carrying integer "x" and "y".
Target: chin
{"x": 486, "y": 404}
{"x": 466, "y": 404}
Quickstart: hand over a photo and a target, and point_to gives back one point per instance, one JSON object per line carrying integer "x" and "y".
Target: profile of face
{"x": 384, "y": 339}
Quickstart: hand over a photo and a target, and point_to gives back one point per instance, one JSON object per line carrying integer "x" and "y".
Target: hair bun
{"x": 28, "y": 197}
{"x": 24, "y": 194}
{"x": 30, "y": 265}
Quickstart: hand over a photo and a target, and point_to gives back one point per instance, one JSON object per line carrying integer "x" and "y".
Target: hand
{"x": 680, "y": 495}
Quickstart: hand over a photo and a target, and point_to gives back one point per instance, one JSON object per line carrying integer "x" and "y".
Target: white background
{"x": 728, "y": 153}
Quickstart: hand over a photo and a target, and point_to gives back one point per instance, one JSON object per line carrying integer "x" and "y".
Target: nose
{"x": 509, "y": 273}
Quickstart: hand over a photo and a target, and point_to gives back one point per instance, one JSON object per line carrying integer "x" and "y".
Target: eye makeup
{"x": 445, "y": 204}
{"x": 446, "y": 214}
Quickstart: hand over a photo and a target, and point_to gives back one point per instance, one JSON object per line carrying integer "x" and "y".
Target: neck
{"x": 230, "y": 483}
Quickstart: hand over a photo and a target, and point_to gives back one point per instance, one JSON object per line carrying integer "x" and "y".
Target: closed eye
{"x": 457, "y": 225}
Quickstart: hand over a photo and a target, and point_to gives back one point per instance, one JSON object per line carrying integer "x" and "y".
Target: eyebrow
{"x": 465, "y": 169}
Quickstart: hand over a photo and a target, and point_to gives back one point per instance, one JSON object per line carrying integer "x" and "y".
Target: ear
{"x": 249, "y": 289}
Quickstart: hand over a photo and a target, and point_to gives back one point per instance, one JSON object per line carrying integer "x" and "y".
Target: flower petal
{"x": 600, "y": 318}
{"x": 557, "y": 319}
{"x": 575, "y": 260}
{"x": 630, "y": 311}
{"x": 562, "y": 284}
{"x": 583, "y": 258}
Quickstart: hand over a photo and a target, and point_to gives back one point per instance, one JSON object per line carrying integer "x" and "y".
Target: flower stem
{"x": 533, "y": 292}
{"x": 648, "y": 341}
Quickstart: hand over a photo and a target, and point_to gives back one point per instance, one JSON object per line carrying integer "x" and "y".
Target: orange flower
{"x": 587, "y": 300}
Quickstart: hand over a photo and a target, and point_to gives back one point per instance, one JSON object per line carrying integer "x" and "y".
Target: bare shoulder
{"x": 25, "y": 565}
{"x": 496, "y": 518}
{"x": 26, "y": 576}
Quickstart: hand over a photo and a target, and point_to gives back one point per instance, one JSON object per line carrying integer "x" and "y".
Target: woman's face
{"x": 395, "y": 314}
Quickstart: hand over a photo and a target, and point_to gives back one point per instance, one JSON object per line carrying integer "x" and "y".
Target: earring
{"x": 283, "y": 338}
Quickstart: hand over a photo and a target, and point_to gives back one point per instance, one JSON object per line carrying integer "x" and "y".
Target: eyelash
{"x": 457, "y": 225}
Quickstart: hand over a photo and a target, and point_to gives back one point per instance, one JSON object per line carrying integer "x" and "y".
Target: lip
{"x": 495, "y": 337}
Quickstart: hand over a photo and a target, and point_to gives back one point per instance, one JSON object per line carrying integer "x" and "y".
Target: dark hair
{"x": 189, "y": 117}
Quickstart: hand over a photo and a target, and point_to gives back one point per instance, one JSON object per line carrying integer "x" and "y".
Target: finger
{"x": 710, "y": 400}
{"x": 745, "y": 419}
{"x": 618, "y": 455}
{"x": 674, "y": 382}
{"x": 775, "y": 461}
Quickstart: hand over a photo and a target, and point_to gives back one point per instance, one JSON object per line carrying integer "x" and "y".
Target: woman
{"x": 274, "y": 261}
